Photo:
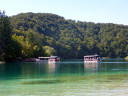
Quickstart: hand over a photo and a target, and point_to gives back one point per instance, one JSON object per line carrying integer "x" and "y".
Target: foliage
{"x": 70, "y": 39}
{"x": 49, "y": 51}
{"x": 30, "y": 35}
{"x": 30, "y": 42}
{"x": 9, "y": 49}
{"x": 126, "y": 58}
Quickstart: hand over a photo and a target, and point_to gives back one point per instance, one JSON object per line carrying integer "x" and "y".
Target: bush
{"x": 126, "y": 58}
{"x": 1, "y": 58}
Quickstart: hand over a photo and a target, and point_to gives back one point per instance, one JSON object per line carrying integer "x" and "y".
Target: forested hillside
{"x": 41, "y": 34}
{"x": 70, "y": 39}
{"x": 9, "y": 48}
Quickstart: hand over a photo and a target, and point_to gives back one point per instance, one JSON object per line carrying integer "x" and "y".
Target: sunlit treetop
{"x": 2, "y": 14}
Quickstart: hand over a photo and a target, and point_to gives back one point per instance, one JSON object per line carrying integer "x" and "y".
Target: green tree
{"x": 9, "y": 49}
{"x": 49, "y": 51}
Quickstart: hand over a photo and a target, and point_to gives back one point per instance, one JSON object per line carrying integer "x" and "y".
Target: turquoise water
{"x": 67, "y": 78}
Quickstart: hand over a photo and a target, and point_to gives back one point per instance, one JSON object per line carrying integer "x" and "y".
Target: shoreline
{"x": 2, "y": 62}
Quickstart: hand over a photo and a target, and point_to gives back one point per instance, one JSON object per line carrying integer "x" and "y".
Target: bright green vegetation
{"x": 126, "y": 58}
{"x": 9, "y": 48}
{"x": 41, "y": 34}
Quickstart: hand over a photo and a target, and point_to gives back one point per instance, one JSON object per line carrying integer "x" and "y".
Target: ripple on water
{"x": 42, "y": 82}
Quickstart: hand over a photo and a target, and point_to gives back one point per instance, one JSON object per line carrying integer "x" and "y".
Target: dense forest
{"x": 30, "y": 35}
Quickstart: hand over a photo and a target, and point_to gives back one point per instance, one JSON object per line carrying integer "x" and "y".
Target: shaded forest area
{"x": 42, "y": 34}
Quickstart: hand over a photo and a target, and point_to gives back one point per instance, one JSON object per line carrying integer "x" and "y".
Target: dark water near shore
{"x": 67, "y": 78}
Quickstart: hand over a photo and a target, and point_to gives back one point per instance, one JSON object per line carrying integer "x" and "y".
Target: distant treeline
{"x": 29, "y": 35}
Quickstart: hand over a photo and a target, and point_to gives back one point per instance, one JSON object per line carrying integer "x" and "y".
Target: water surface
{"x": 67, "y": 78}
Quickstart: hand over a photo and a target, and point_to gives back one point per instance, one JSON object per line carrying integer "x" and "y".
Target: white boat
{"x": 51, "y": 59}
{"x": 54, "y": 59}
{"x": 92, "y": 58}
{"x": 42, "y": 59}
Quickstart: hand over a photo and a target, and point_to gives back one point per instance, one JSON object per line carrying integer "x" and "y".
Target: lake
{"x": 67, "y": 78}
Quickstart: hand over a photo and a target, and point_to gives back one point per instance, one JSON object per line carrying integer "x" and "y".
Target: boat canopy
{"x": 53, "y": 57}
{"x": 44, "y": 57}
{"x": 92, "y": 56}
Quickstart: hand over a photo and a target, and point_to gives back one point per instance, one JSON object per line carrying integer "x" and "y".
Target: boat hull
{"x": 37, "y": 60}
{"x": 91, "y": 61}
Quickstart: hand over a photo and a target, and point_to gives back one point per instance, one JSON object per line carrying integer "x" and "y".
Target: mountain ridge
{"x": 73, "y": 38}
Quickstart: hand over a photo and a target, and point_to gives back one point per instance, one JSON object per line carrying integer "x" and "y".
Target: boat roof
{"x": 92, "y": 56}
{"x": 43, "y": 57}
{"x": 53, "y": 57}
{"x": 49, "y": 57}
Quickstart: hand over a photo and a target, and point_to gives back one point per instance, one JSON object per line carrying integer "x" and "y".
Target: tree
{"x": 7, "y": 49}
{"x": 68, "y": 38}
{"x": 49, "y": 51}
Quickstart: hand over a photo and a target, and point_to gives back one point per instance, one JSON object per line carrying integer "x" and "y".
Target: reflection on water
{"x": 69, "y": 78}
{"x": 91, "y": 66}
{"x": 52, "y": 67}
{"x": 42, "y": 82}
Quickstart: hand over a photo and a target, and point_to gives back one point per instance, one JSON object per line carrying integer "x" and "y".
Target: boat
{"x": 92, "y": 58}
{"x": 42, "y": 59}
{"x": 54, "y": 59}
{"x": 51, "y": 59}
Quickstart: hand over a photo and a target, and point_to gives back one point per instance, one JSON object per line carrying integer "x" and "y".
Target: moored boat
{"x": 51, "y": 59}
{"x": 92, "y": 58}
{"x": 54, "y": 59}
{"x": 42, "y": 59}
